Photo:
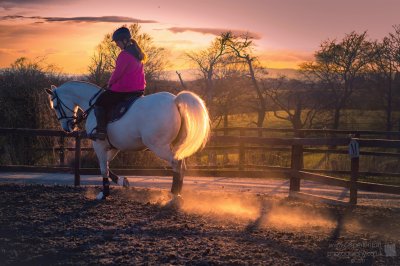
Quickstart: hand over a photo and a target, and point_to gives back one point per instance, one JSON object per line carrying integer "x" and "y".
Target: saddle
{"x": 121, "y": 108}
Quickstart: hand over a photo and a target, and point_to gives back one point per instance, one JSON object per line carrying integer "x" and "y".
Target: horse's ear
{"x": 50, "y": 92}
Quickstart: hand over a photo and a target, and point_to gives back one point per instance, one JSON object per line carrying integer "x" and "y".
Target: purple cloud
{"x": 112, "y": 19}
{"x": 215, "y": 31}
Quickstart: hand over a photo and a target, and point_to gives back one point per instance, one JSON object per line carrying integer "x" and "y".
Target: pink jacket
{"x": 128, "y": 75}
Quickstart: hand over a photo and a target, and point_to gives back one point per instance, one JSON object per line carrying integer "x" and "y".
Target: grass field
{"x": 350, "y": 120}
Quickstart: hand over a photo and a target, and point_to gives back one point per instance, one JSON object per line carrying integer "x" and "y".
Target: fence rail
{"x": 241, "y": 143}
{"x": 305, "y": 132}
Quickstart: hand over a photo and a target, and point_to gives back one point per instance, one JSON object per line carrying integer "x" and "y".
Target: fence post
{"x": 77, "y": 159}
{"x": 296, "y": 164}
{"x": 225, "y": 159}
{"x": 241, "y": 151}
{"x": 198, "y": 158}
{"x": 212, "y": 157}
{"x": 61, "y": 152}
{"x": 354, "y": 152}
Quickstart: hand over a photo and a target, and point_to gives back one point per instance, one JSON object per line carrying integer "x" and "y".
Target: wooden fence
{"x": 242, "y": 142}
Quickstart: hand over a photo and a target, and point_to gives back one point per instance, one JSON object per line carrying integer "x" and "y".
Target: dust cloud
{"x": 261, "y": 211}
{"x": 221, "y": 204}
{"x": 267, "y": 212}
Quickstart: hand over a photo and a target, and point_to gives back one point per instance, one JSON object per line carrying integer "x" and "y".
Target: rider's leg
{"x": 101, "y": 127}
{"x": 104, "y": 103}
{"x": 100, "y": 107}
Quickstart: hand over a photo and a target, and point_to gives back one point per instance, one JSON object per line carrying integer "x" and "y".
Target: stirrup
{"x": 99, "y": 135}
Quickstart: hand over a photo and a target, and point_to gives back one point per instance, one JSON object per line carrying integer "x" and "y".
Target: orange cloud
{"x": 71, "y": 53}
{"x": 286, "y": 56}
{"x": 6, "y": 51}
{"x": 214, "y": 31}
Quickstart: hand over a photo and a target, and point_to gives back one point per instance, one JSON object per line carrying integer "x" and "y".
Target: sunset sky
{"x": 287, "y": 31}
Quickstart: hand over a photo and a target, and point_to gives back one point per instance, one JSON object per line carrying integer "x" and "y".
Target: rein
{"x": 73, "y": 120}
{"x": 87, "y": 112}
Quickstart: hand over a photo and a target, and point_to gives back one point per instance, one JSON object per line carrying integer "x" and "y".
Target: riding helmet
{"x": 120, "y": 34}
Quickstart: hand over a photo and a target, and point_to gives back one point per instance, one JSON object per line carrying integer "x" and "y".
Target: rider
{"x": 128, "y": 78}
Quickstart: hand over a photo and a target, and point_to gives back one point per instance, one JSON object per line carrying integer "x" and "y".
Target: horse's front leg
{"x": 103, "y": 163}
{"x": 104, "y": 156}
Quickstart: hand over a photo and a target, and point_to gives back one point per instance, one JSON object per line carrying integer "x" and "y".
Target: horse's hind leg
{"x": 178, "y": 167}
{"x": 177, "y": 177}
{"x": 178, "y": 173}
{"x": 121, "y": 181}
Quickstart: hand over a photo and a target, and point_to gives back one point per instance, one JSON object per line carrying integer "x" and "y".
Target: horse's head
{"x": 64, "y": 107}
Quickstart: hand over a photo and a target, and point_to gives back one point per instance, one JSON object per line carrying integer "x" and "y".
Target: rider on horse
{"x": 127, "y": 80}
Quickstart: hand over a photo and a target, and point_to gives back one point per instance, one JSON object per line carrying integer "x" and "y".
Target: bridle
{"x": 72, "y": 120}
{"x": 60, "y": 107}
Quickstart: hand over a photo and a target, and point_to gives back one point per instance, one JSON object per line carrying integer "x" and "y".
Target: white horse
{"x": 173, "y": 127}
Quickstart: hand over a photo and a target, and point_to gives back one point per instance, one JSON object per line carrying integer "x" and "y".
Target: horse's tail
{"x": 195, "y": 127}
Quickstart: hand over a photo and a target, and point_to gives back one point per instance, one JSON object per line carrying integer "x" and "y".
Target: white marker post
{"x": 354, "y": 152}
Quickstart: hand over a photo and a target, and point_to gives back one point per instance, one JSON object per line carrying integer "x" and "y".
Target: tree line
{"x": 354, "y": 72}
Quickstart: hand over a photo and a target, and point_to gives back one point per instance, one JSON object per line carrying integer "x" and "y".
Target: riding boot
{"x": 101, "y": 128}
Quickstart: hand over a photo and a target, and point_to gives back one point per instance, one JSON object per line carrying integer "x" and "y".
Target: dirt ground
{"x": 61, "y": 225}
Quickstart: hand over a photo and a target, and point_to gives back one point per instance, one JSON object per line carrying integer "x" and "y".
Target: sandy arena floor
{"x": 47, "y": 224}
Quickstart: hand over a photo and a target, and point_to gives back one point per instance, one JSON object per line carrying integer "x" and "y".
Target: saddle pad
{"x": 121, "y": 108}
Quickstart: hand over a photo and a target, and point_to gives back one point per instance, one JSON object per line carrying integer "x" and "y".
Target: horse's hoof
{"x": 123, "y": 182}
{"x": 101, "y": 196}
{"x": 175, "y": 203}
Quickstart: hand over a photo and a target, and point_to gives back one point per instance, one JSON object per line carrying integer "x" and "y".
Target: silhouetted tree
{"x": 383, "y": 74}
{"x": 337, "y": 66}
{"x": 296, "y": 101}
{"x": 229, "y": 87}
{"x": 242, "y": 47}
{"x": 385, "y": 68}
{"x": 206, "y": 61}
